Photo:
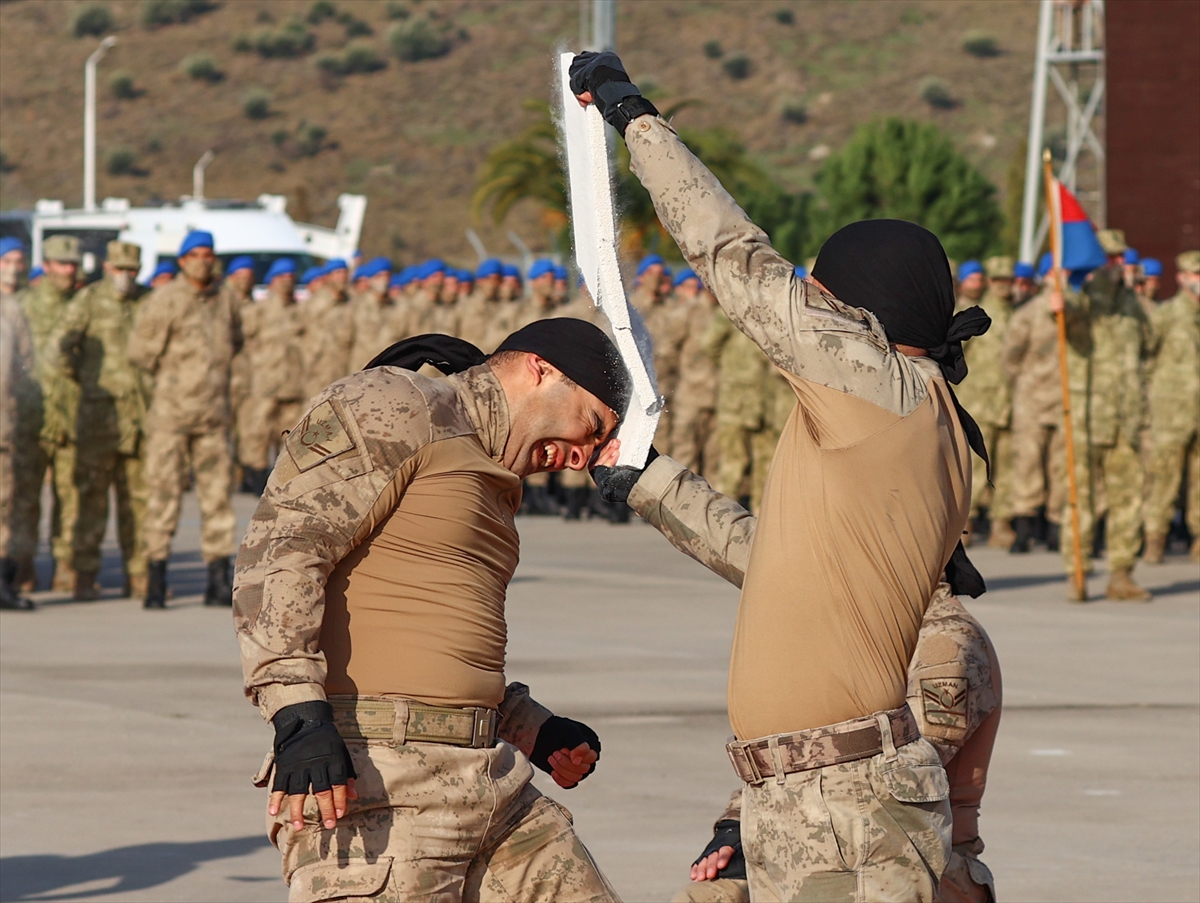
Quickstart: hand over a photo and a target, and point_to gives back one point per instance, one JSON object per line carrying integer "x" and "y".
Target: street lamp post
{"x": 89, "y": 122}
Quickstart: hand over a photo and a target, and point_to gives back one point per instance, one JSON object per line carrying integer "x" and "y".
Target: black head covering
{"x": 582, "y": 352}
{"x": 448, "y": 354}
{"x": 899, "y": 272}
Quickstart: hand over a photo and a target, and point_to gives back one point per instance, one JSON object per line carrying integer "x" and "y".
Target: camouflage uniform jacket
{"x": 19, "y": 391}
{"x": 328, "y": 339}
{"x": 373, "y": 322}
{"x": 741, "y": 368}
{"x": 535, "y": 307}
{"x": 987, "y": 392}
{"x": 1030, "y": 357}
{"x": 44, "y": 306}
{"x": 341, "y": 474}
{"x": 1175, "y": 380}
{"x": 274, "y": 335}
{"x": 94, "y": 337}
{"x": 696, "y": 387}
{"x": 185, "y": 337}
{"x": 666, "y": 321}
{"x": 1120, "y": 339}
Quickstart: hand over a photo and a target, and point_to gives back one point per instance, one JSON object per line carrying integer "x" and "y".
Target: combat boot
{"x": 1053, "y": 537}
{"x": 1003, "y": 536}
{"x": 1156, "y": 547}
{"x": 156, "y": 585}
{"x": 1121, "y": 588}
{"x": 64, "y": 578}
{"x": 26, "y": 578}
{"x": 1022, "y": 534}
{"x": 86, "y": 589}
{"x": 576, "y": 499}
{"x": 10, "y": 599}
{"x": 136, "y": 586}
{"x": 220, "y": 585}
{"x": 1075, "y": 593}
{"x": 1194, "y": 554}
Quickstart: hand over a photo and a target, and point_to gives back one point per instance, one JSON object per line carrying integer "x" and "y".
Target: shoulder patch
{"x": 320, "y": 436}
{"x": 944, "y": 700}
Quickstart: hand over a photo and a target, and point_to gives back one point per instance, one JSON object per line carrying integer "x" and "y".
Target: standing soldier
{"x": 274, "y": 335}
{"x": 645, "y": 283}
{"x": 164, "y": 272}
{"x": 428, "y": 278}
{"x": 987, "y": 394}
{"x": 693, "y": 437}
{"x": 238, "y": 284}
{"x": 328, "y": 330}
{"x": 1109, "y": 472}
{"x": 1148, "y": 286}
{"x": 538, "y": 306}
{"x": 371, "y": 312}
{"x": 481, "y": 314}
{"x": 47, "y": 437}
{"x": 666, "y": 321}
{"x": 114, "y": 396}
{"x": 185, "y": 335}
{"x": 443, "y": 315}
{"x": 19, "y": 398}
{"x": 1175, "y": 410}
{"x": 1024, "y": 285}
{"x": 1030, "y": 360}
{"x": 511, "y": 287}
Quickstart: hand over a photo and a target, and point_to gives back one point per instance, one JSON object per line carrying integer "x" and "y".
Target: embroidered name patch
{"x": 945, "y": 701}
{"x": 320, "y": 436}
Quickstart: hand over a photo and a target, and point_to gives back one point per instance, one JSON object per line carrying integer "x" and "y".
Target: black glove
{"x": 562, "y": 733}
{"x": 618, "y": 100}
{"x": 727, "y": 834}
{"x": 309, "y": 750}
{"x": 615, "y": 483}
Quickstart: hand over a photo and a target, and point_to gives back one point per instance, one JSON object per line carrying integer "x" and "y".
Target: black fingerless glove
{"x": 727, "y": 834}
{"x": 562, "y": 733}
{"x": 618, "y": 100}
{"x": 615, "y": 483}
{"x": 309, "y": 751}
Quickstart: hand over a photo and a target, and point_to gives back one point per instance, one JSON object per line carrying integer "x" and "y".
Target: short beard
{"x": 197, "y": 270}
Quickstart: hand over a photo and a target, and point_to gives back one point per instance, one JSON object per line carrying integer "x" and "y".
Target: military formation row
{"x": 1133, "y": 370}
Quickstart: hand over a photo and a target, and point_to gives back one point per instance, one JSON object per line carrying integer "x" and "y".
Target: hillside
{"x": 412, "y": 135}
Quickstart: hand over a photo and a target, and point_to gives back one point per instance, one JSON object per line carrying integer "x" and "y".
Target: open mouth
{"x": 548, "y": 456}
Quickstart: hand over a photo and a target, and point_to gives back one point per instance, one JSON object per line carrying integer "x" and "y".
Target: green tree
{"x": 900, "y": 169}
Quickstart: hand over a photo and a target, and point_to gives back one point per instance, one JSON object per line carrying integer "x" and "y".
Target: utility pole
{"x": 198, "y": 174}
{"x": 89, "y": 122}
{"x": 598, "y": 24}
{"x": 1070, "y": 52}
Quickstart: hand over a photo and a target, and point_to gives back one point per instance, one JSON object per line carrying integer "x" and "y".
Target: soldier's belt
{"x": 818, "y": 747}
{"x": 404, "y": 721}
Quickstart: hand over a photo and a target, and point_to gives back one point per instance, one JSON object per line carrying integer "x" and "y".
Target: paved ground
{"x": 126, "y": 747}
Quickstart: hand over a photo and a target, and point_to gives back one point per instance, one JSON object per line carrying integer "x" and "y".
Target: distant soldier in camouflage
{"x": 1175, "y": 410}
{"x": 20, "y": 397}
{"x": 328, "y": 330}
{"x": 185, "y": 335}
{"x": 538, "y": 305}
{"x": 484, "y": 322}
{"x": 370, "y": 613}
{"x": 371, "y": 312}
{"x": 273, "y": 331}
{"x": 666, "y": 321}
{"x": 428, "y": 279}
{"x": 644, "y": 293}
{"x": 987, "y": 394}
{"x": 47, "y": 437}
{"x": 693, "y": 432}
{"x": 1147, "y": 287}
{"x": 114, "y": 396}
{"x": 443, "y": 316}
{"x": 237, "y": 288}
{"x": 1109, "y": 471}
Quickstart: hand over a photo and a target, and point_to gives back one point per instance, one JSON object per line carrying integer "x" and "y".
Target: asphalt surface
{"x": 126, "y": 746}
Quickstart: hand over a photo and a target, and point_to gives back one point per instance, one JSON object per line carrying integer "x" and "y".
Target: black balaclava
{"x": 899, "y": 272}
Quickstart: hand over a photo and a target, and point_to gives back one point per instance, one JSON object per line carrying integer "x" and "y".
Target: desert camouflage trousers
{"x": 1039, "y": 471}
{"x": 719, "y": 890}
{"x": 439, "y": 823}
{"x": 996, "y": 497}
{"x": 1170, "y": 458}
{"x": 169, "y": 456}
{"x": 1109, "y": 482}
{"x": 30, "y": 463}
{"x": 261, "y": 424}
{"x": 694, "y": 439}
{"x": 7, "y": 482}
{"x": 875, "y": 829}
{"x": 98, "y": 466}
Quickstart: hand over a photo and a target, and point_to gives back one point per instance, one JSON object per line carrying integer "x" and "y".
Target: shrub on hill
{"x": 120, "y": 161}
{"x": 936, "y": 93}
{"x": 120, "y": 83}
{"x": 256, "y": 104}
{"x": 320, "y": 11}
{"x": 713, "y": 49}
{"x": 397, "y": 10}
{"x": 352, "y": 59}
{"x": 91, "y": 20}
{"x": 737, "y": 67}
{"x": 171, "y": 12}
{"x": 202, "y": 68}
{"x": 901, "y": 169}
{"x": 414, "y": 40}
{"x": 981, "y": 44}
{"x": 293, "y": 39}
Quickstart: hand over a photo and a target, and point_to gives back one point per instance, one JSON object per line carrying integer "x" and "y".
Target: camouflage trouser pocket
{"x": 339, "y": 880}
{"x": 915, "y": 774}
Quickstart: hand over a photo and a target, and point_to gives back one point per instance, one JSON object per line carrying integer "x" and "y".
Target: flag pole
{"x": 1068, "y": 432}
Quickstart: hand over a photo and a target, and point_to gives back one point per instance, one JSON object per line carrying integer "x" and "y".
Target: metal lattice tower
{"x": 1070, "y": 56}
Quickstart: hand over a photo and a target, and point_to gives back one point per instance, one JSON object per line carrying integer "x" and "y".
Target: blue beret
{"x": 541, "y": 267}
{"x": 490, "y": 267}
{"x": 969, "y": 268}
{"x": 1132, "y": 256}
{"x": 10, "y": 244}
{"x": 194, "y": 240}
{"x": 398, "y": 280}
{"x": 1022, "y": 270}
{"x": 648, "y": 261}
{"x": 666, "y": 271}
{"x": 373, "y": 267}
{"x": 407, "y": 275}
{"x": 336, "y": 264}
{"x": 1044, "y": 263}
{"x": 684, "y": 275}
{"x": 511, "y": 270}
{"x": 243, "y": 262}
{"x": 310, "y": 274}
{"x": 165, "y": 267}
{"x": 36, "y": 273}
{"x": 560, "y": 272}
{"x": 466, "y": 276}
{"x": 801, "y": 273}
{"x": 281, "y": 267}
{"x": 431, "y": 267}
{"x": 1151, "y": 267}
